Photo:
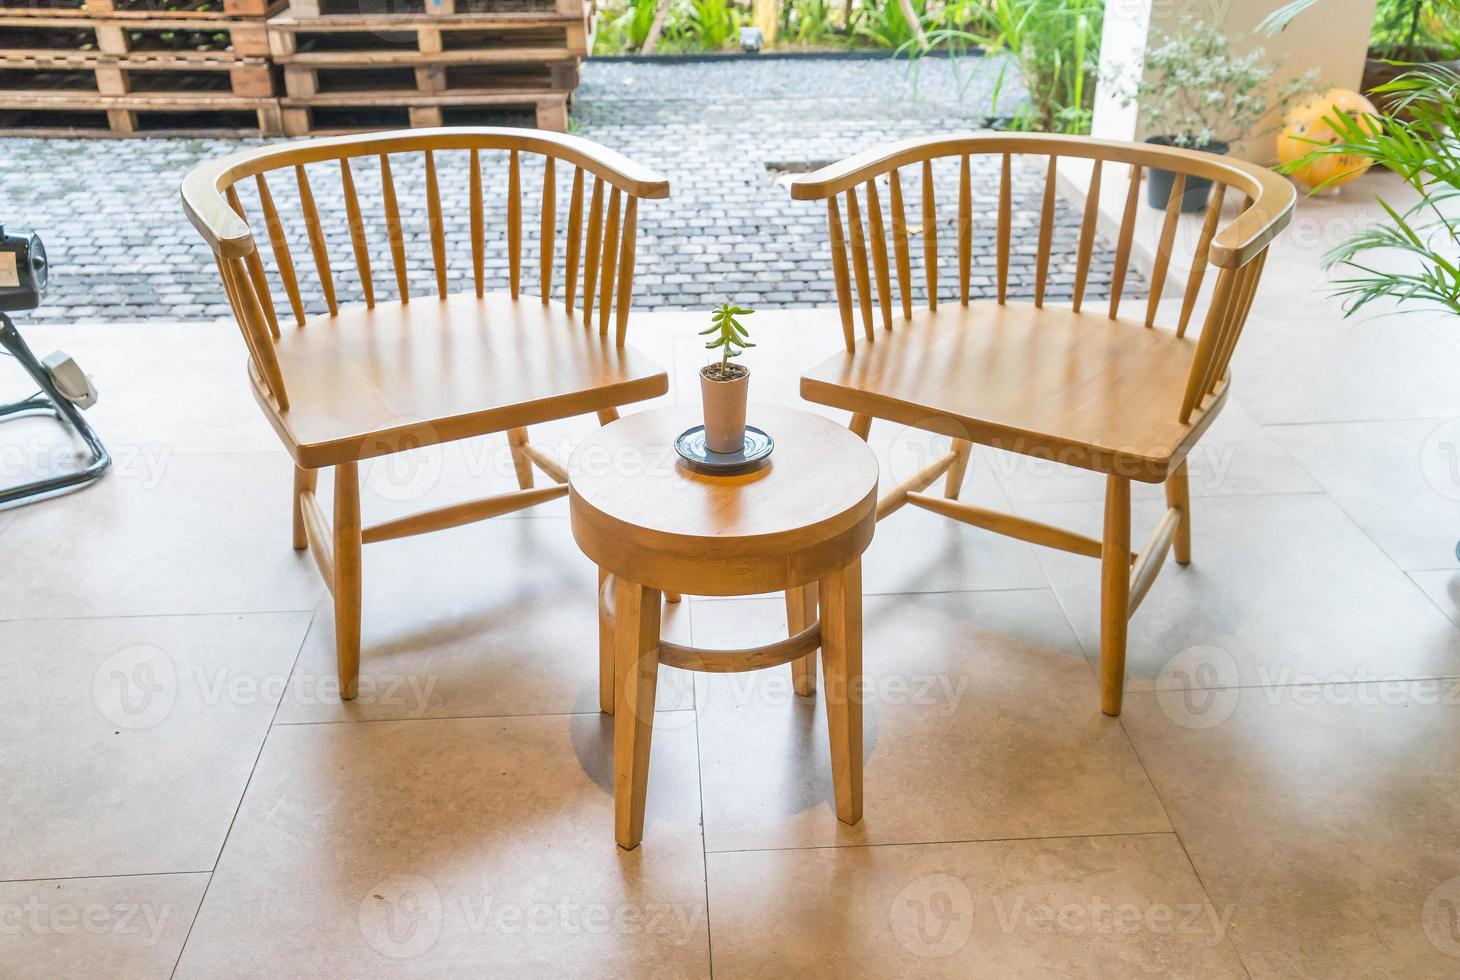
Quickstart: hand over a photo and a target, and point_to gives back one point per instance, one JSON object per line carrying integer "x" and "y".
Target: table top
{"x": 819, "y": 479}
{"x": 638, "y": 513}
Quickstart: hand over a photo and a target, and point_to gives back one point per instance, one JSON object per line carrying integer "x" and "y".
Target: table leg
{"x": 801, "y": 613}
{"x": 841, "y": 667}
{"x": 636, "y": 662}
{"x": 605, "y": 652}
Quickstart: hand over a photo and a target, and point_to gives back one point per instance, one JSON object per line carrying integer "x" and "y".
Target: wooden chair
{"x": 361, "y": 381}
{"x": 1089, "y": 388}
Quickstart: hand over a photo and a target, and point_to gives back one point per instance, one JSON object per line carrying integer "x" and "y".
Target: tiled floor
{"x": 185, "y": 795}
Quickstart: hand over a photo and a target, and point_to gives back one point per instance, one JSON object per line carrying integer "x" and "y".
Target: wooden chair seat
{"x": 1079, "y": 388}
{"x": 366, "y": 380}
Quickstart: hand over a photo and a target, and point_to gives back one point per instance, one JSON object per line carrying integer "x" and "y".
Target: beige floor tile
{"x": 191, "y": 396}
{"x": 129, "y": 741}
{"x": 85, "y": 928}
{"x": 455, "y": 849}
{"x": 496, "y": 618}
{"x": 1443, "y": 588}
{"x": 1092, "y": 907}
{"x": 1236, "y": 456}
{"x": 169, "y": 534}
{"x": 1400, "y": 481}
{"x": 1323, "y": 817}
{"x": 1282, "y": 589}
{"x": 1313, "y": 367}
{"x": 981, "y": 717}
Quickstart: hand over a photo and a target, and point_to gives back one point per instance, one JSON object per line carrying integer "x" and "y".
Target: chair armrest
{"x": 209, "y": 211}
{"x": 1245, "y": 236}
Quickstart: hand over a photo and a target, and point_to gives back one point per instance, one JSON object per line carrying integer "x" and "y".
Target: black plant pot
{"x": 1198, "y": 189}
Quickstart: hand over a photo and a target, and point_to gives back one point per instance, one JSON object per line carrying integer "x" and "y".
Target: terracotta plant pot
{"x": 1160, "y": 182}
{"x": 724, "y": 407}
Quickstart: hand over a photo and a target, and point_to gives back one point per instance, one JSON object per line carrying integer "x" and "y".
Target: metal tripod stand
{"x": 48, "y": 401}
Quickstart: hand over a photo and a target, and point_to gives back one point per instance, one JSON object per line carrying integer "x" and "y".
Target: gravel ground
{"x": 724, "y": 132}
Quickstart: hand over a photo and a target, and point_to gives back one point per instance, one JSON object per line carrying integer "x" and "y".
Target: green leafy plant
{"x": 1053, "y": 43}
{"x": 1419, "y": 139}
{"x": 885, "y": 25}
{"x": 1198, "y": 91}
{"x": 730, "y": 337}
{"x": 636, "y": 19}
{"x": 708, "y": 25}
{"x": 1415, "y": 30}
{"x": 808, "y": 22}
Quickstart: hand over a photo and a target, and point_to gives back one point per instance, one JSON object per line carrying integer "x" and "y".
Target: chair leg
{"x": 1114, "y": 592}
{"x": 1178, "y": 494}
{"x": 963, "y": 449}
{"x": 304, "y": 480}
{"x": 861, "y": 425}
{"x": 636, "y": 666}
{"x": 801, "y": 613}
{"x": 515, "y": 440}
{"x": 347, "y": 577}
{"x": 841, "y": 664}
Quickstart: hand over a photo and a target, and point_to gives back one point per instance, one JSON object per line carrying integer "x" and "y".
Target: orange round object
{"x": 1305, "y": 125}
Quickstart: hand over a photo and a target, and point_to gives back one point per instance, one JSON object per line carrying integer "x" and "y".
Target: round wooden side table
{"x": 799, "y": 525}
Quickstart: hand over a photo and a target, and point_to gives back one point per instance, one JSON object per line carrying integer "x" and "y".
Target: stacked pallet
{"x": 213, "y": 67}
{"x": 120, "y": 67}
{"x": 438, "y": 62}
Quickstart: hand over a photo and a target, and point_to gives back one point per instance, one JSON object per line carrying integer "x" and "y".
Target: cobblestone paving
{"x": 724, "y": 133}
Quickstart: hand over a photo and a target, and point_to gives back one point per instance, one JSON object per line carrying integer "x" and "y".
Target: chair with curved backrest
{"x": 360, "y": 381}
{"x": 1089, "y": 388}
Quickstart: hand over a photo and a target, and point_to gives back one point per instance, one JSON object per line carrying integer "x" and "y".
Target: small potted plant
{"x": 1198, "y": 93}
{"x": 724, "y": 384}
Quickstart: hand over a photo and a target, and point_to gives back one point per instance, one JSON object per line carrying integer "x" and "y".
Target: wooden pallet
{"x": 86, "y": 73}
{"x": 145, "y": 10}
{"x": 411, "y": 39}
{"x": 48, "y": 113}
{"x": 351, "y": 113}
{"x": 306, "y": 81}
{"x": 119, "y": 37}
{"x": 306, "y": 9}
